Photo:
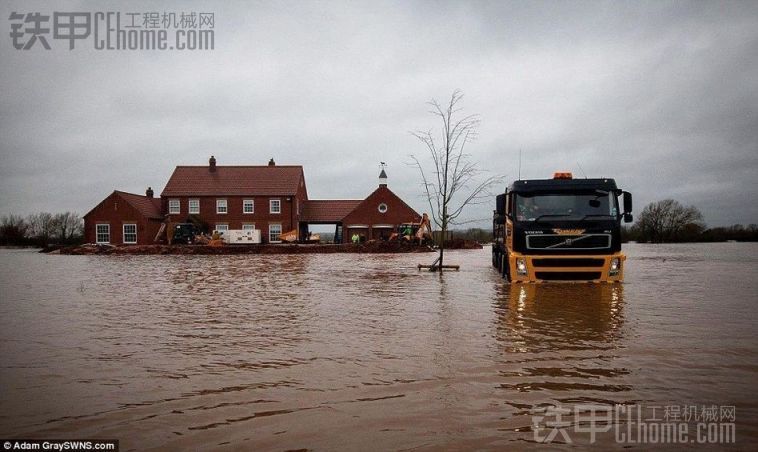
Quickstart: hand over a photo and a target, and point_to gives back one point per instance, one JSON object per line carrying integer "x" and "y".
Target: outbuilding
{"x": 124, "y": 219}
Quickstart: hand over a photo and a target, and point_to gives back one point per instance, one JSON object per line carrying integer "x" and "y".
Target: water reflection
{"x": 339, "y": 351}
{"x": 560, "y": 343}
{"x": 560, "y": 317}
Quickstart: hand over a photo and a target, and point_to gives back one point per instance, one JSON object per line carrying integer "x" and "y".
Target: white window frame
{"x": 278, "y": 203}
{"x": 123, "y": 233}
{"x": 248, "y": 226}
{"x": 279, "y": 225}
{"x": 245, "y": 202}
{"x": 222, "y": 227}
{"x": 222, "y": 203}
{"x": 174, "y": 206}
{"x": 189, "y": 206}
{"x": 97, "y": 233}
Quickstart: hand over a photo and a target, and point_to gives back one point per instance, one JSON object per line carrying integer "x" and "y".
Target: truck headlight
{"x": 615, "y": 266}
{"x": 521, "y": 266}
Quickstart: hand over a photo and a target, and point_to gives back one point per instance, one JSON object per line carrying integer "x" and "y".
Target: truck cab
{"x": 560, "y": 229}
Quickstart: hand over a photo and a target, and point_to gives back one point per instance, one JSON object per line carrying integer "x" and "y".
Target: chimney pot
{"x": 271, "y": 162}
{"x": 212, "y": 164}
{"x": 149, "y": 192}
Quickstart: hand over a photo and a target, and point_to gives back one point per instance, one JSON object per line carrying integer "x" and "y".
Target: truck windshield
{"x": 574, "y": 206}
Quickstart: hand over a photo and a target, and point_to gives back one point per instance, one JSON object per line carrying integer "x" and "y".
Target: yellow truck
{"x": 560, "y": 229}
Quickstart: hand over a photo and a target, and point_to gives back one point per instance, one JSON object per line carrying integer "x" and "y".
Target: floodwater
{"x": 364, "y": 352}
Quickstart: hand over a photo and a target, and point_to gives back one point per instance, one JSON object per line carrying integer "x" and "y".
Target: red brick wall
{"x": 114, "y": 211}
{"x": 234, "y": 217}
{"x": 367, "y": 213}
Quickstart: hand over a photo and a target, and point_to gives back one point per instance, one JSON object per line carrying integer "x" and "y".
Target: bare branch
{"x": 457, "y": 178}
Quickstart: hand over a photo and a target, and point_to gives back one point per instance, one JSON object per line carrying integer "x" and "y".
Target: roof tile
{"x": 148, "y": 207}
{"x": 234, "y": 180}
{"x": 328, "y": 210}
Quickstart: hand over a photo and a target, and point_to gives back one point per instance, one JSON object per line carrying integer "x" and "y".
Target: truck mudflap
{"x": 565, "y": 268}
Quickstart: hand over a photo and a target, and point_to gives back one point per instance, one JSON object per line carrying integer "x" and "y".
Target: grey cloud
{"x": 660, "y": 95}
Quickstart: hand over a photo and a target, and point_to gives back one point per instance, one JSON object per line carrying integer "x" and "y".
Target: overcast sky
{"x": 663, "y": 96}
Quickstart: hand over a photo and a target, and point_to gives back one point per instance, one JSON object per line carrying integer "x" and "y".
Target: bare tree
{"x": 67, "y": 226}
{"x": 451, "y": 182}
{"x": 41, "y": 226}
{"x": 668, "y": 220}
{"x": 12, "y": 229}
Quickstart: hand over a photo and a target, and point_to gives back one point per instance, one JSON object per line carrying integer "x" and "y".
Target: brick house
{"x": 124, "y": 218}
{"x": 269, "y": 198}
{"x": 373, "y": 218}
{"x": 272, "y": 198}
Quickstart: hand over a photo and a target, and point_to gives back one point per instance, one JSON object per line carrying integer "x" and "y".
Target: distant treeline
{"x": 668, "y": 221}
{"x": 474, "y": 234}
{"x": 42, "y": 229}
{"x": 665, "y": 221}
{"x": 695, "y": 233}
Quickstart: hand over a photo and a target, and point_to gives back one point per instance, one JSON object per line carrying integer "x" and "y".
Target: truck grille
{"x": 571, "y": 262}
{"x": 568, "y": 242}
{"x": 567, "y": 276}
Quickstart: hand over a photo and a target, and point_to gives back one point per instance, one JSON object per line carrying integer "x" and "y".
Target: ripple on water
{"x": 325, "y": 351}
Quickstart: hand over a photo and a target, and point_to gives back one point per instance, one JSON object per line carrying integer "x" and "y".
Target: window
{"x": 592, "y": 205}
{"x": 103, "y": 233}
{"x": 130, "y": 233}
{"x": 382, "y": 208}
{"x": 275, "y": 206}
{"x": 248, "y": 226}
{"x": 194, "y": 206}
{"x": 222, "y": 227}
{"x": 248, "y": 206}
{"x": 221, "y": 206}
{"x": 274, "y": 231}
{"x": 174, "y": 206}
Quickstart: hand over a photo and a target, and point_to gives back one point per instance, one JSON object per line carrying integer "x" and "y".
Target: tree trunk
{"x": 442, "y": 236}
{"x": 442, "y": 250}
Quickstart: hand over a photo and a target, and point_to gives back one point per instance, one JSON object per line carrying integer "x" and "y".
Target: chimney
{"x": 212, "y": 164}
{"x": 149, "y": 192}
{"x": 271, "y": 162}
{"x": 382, "y": 178}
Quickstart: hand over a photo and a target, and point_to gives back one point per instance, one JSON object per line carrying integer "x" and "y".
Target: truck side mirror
{"x": 628, "y": 217}
{"x": 627, "y": 204}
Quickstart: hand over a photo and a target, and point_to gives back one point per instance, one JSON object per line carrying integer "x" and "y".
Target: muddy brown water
{"x": 364, "y": 352}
